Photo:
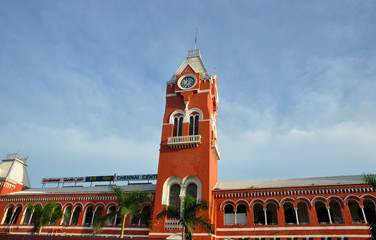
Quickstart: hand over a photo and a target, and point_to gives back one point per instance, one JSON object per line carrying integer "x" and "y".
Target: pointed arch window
{"x": 193, "y": 124}
{"x": 27, "y": 216}
{"x": 178, "y": 126}
{"x": 75, "y": 215}
{"x": 68, "y": 214}
{"x": 9, "y": 215}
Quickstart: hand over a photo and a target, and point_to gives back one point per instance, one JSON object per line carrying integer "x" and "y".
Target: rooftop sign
{"x": 112, "y": 178}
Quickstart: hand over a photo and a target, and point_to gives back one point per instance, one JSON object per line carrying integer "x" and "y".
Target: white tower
{"x": 13, "y": 174}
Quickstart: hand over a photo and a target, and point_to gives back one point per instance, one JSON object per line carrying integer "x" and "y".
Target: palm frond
{"x": 169, "y": 212}
{"x": 370, "y": 179}
{"x": 102, "y": 221}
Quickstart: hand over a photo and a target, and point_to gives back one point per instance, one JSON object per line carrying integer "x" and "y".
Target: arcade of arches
{"x": 272, "y": 212}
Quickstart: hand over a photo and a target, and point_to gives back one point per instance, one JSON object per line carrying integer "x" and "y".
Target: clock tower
{"x": 188, "y": 151}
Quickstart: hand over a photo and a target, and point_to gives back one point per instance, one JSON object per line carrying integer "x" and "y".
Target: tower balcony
{"x": 184, "y": 141}
{"x": 215, "y": 150}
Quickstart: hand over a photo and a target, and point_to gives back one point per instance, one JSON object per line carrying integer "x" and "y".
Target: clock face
{"x": 187, "y": 82}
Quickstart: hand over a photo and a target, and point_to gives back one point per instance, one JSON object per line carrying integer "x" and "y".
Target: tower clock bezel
{"x": 184, "y": 77}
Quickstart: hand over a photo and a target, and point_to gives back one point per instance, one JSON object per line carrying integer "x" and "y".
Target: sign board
{"x": 112, "y": 178}
{"x": 63, "y": 180}
{"x": 99, "y": 179}
{"x": 146, "y": 177}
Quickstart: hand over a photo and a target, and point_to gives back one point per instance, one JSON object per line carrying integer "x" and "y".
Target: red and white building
{"x": 308, "y": 208}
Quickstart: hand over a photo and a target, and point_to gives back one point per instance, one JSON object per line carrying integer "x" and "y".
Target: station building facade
{"x": 289, "y": 209}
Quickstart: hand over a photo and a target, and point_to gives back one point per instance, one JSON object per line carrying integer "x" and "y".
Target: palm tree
{"x": 371, "y": 179}
{"x": 128, "y": 205}
{"x": 187, "y": 216}
{"x": 45, "y": 215}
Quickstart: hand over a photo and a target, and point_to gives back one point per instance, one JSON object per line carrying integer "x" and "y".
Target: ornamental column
{"x": 296, "y": 215}
{"x": 330, "y": 217}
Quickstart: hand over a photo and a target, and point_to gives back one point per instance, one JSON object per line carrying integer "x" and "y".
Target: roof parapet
{"x": 194, "y": 53}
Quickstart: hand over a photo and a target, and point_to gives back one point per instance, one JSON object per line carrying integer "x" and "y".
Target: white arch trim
{"x": 238, "y": 202}
{"x": 166, "y": 188}
{"x": 286, "y": 199}
{"x": 351, "y": 196}
{"x": 78, "y": 204}
{"x": 99, "y": 204}
{"x": 66, "y": 205}
{"x": 192, "y": 110}
{"x": 179, "y": 111}
{"x": 88, "y": 205}
{"x": 185, "y": 115}
{"x": 272, "y": 200}
{"x": 318, "y": 197}
{"x": 368, "y": 195}
{"x": 224, "y": 203}
{"x": 304, "y": 199}
{"x": 257, "y": 200}
{"x": 336, "y": 197}
{"x": 193, "y": 179}
{"x": 110, "y": 204}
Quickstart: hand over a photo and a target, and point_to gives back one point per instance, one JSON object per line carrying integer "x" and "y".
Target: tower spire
{"x": 196, "y": 40}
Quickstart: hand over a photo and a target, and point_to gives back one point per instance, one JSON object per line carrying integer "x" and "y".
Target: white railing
{"x": 184, "y": 141}
{"x": 195, "y": 52}
{"x": 172, "y": 224}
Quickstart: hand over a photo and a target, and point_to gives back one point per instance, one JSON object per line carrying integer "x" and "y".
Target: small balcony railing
{"x": 172, "y": 224}
{"x": 184, "y": 141}
{"x": 215, "y": 150}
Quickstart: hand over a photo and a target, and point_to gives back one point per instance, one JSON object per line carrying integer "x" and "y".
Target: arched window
{"x": 192, "y": 190}
{"x": 271, "y": 214}
{"x": 76, "y": 215}
{"x": 174, "y": 196}
{"x": 98, "y": 214}
{"x": 57, "y": 209}
{"x": 241, "y": 215}
{"x": 303, "y": 214}
{"x": 178, "y": 126}
{"x": 335, "y": 212}
{"x": 8, "y": 215}
{"x": 89, "y": 216}
{"x": 27, "y": 216}
{"x": 258, "y": 214}
{"x": 119, "y": 219}
{"x": 229, "y": 215}
{"x": 143, "y": 218}
{"x": 369, "y": 210}
{"x": 193, "y": 124}
{"x": 290, "y": 217}
{"x": 356, "y": 212}
{"x": 33, "y": 217}
{"x": 111, "y": 210}
{"x": 322, "y": 213}
{"x": 67, "y": 213}
{"x": 15, "y": 215}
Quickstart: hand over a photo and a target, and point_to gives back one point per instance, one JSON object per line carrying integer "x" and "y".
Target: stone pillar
{"x": 330, "y": 217}
{"x": 265, "y": 216}
{"x": 364, "y": 215}
{"x": 296, "y": 215}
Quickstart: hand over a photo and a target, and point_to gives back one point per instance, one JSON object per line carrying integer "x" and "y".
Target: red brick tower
{"x": 188, "y": 153}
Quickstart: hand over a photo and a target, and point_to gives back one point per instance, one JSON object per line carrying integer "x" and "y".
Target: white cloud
{"x": 75, "y": 151}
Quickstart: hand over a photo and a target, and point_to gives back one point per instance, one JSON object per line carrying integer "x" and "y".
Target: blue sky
{"x": 82, "y": 84}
